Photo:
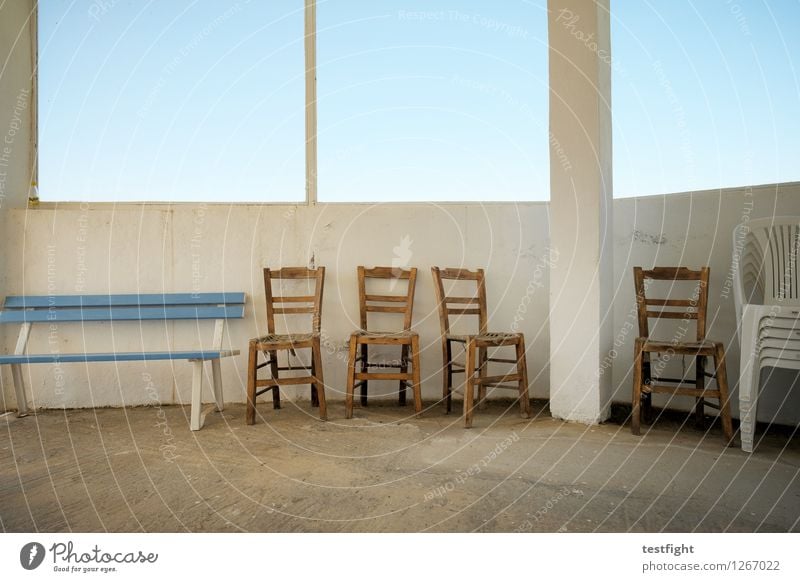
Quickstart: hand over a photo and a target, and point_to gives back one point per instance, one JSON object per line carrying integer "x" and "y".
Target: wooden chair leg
{"x": 724, "y": 396}
{"x": 447, "y": 376}
{"x": 469, "y": 384}
{"x": 522, "y": 370}
{"x": 415, "y": 370}
{"x": 403, "y": 370}
{"x": 646, "y": 398}
{"x": 252, "y": 361}
{"x": 314, "y": 390}
{"x": 351, "y": 373}
{"x": 364, "y": 369}
{"x": 700, "y": 384}
{"x": 319, "y": 384}
{"x": 636, "y": 396}
{"x": 276, "y": 391}
{"x": 482, "y": 371}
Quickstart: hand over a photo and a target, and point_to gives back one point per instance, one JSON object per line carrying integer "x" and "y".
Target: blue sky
{"x": 438, "y": 100}
{"x": 706, "y": 94}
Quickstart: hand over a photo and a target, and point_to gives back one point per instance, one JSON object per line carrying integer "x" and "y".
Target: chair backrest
{"x": 461, "y": 305}
{"x": 695, "y": 307}
{"x": 377, "y": 303}
{"x": 126, "y": 307}
{"x": 765, "y": 262}
{"x": 284, "y": 304}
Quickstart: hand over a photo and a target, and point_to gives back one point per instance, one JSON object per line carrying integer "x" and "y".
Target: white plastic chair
{"x": 767, "y": 296}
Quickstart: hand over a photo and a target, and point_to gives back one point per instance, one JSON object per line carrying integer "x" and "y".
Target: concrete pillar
{"x": 17, "y": 143}
{"x": 580, "y": 209}
{"x": 17, "y": 102}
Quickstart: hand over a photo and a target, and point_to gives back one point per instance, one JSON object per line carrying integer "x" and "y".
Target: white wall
{"x": 216, "y": 248}
{"x": 211, "y": 248}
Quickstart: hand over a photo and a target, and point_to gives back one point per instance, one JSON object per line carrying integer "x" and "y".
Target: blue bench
{"x": 54, "y": 309}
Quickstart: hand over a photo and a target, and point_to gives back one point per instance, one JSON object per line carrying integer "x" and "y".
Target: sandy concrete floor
{"x": 141, "y": 469}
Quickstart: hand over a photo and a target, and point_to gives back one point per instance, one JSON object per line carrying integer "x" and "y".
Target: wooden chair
{"x": 645, "y": 383}
{"x": 476, "y": 346}
{"x": 360, "y": 340}
{"x": 273, "y": 343}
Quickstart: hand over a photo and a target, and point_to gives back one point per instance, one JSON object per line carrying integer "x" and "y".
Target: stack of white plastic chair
{"x": 767, "y": 297}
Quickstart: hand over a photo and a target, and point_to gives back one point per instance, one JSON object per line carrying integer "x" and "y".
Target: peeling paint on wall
{"x": 650, "y": 239}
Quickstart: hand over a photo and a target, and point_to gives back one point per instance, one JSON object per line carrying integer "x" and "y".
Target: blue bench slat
{"x": 124, "y": 300}
{"x": 111, "y": 357}
{"x": 121, "y": 314}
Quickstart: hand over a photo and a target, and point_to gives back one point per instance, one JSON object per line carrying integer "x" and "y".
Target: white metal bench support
{"x": 219, "y": 330}
{"x": 197, "y": 416}
{"x": 217, "y": 385}
{"x": 196, "y": 422}
{"x": 16, "y": 370}
{"x": 19, "y": 389}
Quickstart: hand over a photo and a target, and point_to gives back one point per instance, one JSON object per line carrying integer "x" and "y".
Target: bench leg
{"x": 197, "y": 389}
{"x": 19, "y": 388}
{"x": 217, "y": 378}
